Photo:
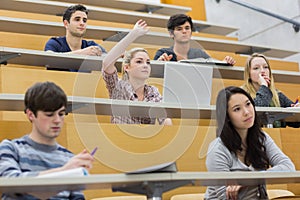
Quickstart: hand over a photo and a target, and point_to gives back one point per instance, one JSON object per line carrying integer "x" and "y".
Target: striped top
{"x": 23, "y": 157}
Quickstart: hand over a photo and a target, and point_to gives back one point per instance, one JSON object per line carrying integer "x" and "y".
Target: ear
{"x": 171, "y": 33}
{"x": 66, "y": 23}
{"x": 30, "y": 115}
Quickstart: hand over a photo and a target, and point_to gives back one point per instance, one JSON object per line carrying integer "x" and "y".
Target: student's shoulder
{"x": 267, "y": 136}
{"x": 152, "y": 89}
{"x": 90, "y": 42}
{"x": 63, "y": 149}
{"x": 217, "y": 145}
{"x": 11, "y": 144}
{"x": 57, "y": 39}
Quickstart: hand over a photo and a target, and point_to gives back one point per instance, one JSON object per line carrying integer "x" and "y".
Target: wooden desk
{"x": 156, "y": 182}
{"x": 108, "y": 14}
{"x": 137, "y": 5}
{"x": 89, "y": 63}
{"x": 19, "y": 25}
{"x": 50, "y": 59}
{"x": 102, "y": 106}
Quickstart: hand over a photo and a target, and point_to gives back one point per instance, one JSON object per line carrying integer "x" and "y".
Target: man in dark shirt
{"x": 180, "y": 27}
{"x": 75, "y": 21}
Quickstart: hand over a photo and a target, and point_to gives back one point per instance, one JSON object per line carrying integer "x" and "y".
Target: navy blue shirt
{"x": 60, "y": 45}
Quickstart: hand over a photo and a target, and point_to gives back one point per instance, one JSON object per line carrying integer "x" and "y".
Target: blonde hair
{"x": 128, "y": 57}
{"x": 248, "y": 85}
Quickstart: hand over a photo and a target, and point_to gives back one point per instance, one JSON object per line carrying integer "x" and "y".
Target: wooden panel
{"x": 241, "y": 61}
{"x": 198, "y": 7}
{"x": 137, "y": 6}
{"x": 136, "y": 142}
{"x": 15, "y": 80}
{"x": 290, "y": 140}
{"x": 290, "y": 90}
{"x": 219, "y": 84}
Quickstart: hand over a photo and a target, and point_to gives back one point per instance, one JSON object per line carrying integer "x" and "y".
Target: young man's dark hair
{"x": 178, "y": 20}
{"x": 72, "y": 9}
{"x": 46, "y": 96}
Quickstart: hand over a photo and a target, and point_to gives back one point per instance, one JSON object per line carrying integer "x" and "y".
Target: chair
{"x": 279, "y": 193}
{"x": 122, "y": 198}
{"x": 198, "y": 196}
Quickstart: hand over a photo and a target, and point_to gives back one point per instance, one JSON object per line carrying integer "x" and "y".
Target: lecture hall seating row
{"x": 26, "y": 26}
{"x": 108, "y": 14}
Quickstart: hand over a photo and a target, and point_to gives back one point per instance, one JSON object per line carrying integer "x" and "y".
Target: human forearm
{"x": 139, "y": 29}
{"x": 278, "y": 160}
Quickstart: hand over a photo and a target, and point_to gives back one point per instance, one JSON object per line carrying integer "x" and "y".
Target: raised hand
{"x": 141, "y": 27}
{"x": 108, "y": 65}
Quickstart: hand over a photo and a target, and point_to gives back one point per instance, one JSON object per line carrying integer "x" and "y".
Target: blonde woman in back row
{"x": 259, "y": 82}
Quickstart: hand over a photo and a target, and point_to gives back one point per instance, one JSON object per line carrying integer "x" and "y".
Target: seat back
{"x": 279, "y": 193}
{"x": 198, "y": 196}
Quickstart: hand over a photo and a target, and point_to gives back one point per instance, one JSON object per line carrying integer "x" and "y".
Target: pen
{"x": 297, "y": 100}
{"x": 94, "y": 151}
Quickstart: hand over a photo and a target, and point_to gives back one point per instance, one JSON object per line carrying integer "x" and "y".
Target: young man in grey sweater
{"x": 38, "y": 153}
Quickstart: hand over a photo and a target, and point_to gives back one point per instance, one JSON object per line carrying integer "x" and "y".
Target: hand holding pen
{"x": 83, "y": 159}
{"x": 296, "y": 104}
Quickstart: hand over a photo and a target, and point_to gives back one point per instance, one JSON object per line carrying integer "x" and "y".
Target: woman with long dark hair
{"x": 241, "y": 145}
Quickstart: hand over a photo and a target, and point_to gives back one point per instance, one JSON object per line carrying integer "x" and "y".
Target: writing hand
{"x": 295, "y": 105}
{"x": 83, "y": 159}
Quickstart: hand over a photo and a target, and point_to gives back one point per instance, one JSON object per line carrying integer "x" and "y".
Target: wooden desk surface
{"x": 137, "y": 5}
{"x": 63, "y": 61}
{"x": 109, "y": 14}
{"x": 102, "y": 106}
{"x": 105, "y": 181}
{"x": 26, "y": 26}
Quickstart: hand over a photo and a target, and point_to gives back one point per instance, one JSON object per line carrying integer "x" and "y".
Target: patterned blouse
{"x": 122, "y": 90}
